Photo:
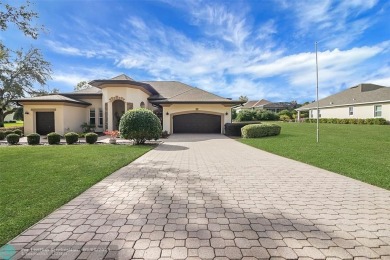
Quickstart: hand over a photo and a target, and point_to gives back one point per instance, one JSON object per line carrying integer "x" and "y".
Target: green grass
{"x": 36, "y": 180}
{"x": 361, "y": 152}
{"x": 17, "y": 124}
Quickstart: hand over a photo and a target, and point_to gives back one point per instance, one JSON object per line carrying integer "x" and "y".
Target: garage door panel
{"x": 45, "y": 122}
{"x": 197, "y": 123}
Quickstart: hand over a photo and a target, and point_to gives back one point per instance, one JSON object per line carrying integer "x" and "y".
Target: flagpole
{"x": 318, "y": 105}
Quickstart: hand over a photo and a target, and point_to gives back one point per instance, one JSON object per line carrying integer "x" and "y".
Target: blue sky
{"x": 261, "y": 49}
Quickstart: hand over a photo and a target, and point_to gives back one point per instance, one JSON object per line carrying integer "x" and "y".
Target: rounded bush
{"x": 13, "y": 138}
{"x": 33, "y": 139}
{"x": 71, "y": 137}
{"x": 18, "y": 132}
{"x": 140, "y": 125}
{"x": 53, "y": 138}
{"x": 91, "y": 138}
{"x": 256, "y": 130}
{"x": 7, "y": 132}
{"x": 2, "y": 135}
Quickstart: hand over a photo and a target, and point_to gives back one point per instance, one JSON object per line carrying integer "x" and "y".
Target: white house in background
{"x": 182, "y": 108}
{"x": 362, "y": 101}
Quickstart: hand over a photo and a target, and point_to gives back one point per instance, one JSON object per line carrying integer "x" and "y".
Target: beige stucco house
{"x": 362, "y": 101}
{"x": 181, "y": 108}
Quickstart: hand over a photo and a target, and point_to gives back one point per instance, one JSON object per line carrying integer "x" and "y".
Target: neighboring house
{"x": 182, "y": 108}
{"x": 361, "y": 101}
{"x": 267, "y": 105}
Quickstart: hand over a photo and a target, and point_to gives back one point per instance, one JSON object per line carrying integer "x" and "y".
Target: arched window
{"x": 142, "y": 105}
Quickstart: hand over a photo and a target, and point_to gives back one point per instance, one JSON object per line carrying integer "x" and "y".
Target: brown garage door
{"x": 197, "y": 123}
{"x": 45, "y": 122}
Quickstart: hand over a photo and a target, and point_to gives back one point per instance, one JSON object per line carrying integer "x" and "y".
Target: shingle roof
{"x": 90, "y": 90}
{"x": 52, "y": 98}
{"x": 363, "y": 93}
{"x": 173, "y": 91}
{"x": 249, "y": 104}
{"x": 122, "y": 77}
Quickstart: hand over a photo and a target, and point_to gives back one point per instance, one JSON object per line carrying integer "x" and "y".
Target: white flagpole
{"x": 318, "y": 105}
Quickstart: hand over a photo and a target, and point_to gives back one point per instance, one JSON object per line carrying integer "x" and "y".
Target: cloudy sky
{"x": 261, "y": 49}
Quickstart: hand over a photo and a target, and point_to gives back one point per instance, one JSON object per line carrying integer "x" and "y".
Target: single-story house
{"x": 266, "y": 105}
{"x": 362, "y": 101}
{"x": 182, "y": 108}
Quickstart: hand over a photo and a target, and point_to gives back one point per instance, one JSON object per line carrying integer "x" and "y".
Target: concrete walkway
{"x": 211, "y": 197}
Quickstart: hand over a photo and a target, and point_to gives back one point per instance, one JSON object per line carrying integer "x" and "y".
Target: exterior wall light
{"x": 167, "y": 113}
{"x": 26, "y": 113}
{"x": 227, "y": 113}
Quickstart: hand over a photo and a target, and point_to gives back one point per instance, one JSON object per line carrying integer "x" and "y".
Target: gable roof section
{"x": 360, "y": 94}
{"x": 177, "y": 92}
{"x": 255, "y": 103}
{"x": 53, "y": 98}
{"x": 123, "y": 80}
{"x": 92, "y": 90}
{"x": 249, "y": 104}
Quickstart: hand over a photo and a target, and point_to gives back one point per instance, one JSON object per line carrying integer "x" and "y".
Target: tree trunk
{"x": 1, "y": 118}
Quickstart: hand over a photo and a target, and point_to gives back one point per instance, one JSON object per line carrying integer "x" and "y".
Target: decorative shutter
{"x": 106, "y": 116}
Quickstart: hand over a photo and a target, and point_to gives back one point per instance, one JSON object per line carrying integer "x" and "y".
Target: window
{"x": 377, "y": 111}
{"x": 142, "y": 105}
{"x": 319, "y": 113}
{"x": 92, "y": 117}
{"x": 100, "y": 117}
{"x": 311, "y": 113}
{"x": 351, "y": 111}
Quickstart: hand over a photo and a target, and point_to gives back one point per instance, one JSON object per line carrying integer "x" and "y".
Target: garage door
{"x": 197, "y": 123}
{"x": 45, "y": 122}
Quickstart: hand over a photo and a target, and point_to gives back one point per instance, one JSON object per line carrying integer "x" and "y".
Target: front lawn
{"x": 17, "y": 124}
{"x": 36, "y": 180}
{"x": 361, "y": 152}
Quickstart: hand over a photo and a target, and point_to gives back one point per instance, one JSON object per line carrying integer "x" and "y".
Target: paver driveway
{"x": 207, "y": 196}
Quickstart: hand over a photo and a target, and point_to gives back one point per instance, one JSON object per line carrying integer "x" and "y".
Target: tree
{"x": 82, "y": 85}
{"x": 243, "y": 98}
{"x": 17, "y": 78}
{"x": 19, "y": 70}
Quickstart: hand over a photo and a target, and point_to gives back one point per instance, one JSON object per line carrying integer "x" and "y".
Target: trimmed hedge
{"x": 33, "y": 139}
{"x": 358, "y": 121}
{"x": 2, "y": 135}
{"x": 234, "y": 129}
{"x": 71, "y": 137}
{"x": 256, "y": 115}
{"x": 18, "y": 132}
{"x": 13, "y": 138}
{"x": 53, "y": 138}
{"x": 260, "y": 130}
{"x": 91, "y": 138}
{"x": 140, "y": 125}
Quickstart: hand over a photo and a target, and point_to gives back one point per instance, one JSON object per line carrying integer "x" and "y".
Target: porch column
{"x": 109, "y": 117}
{"x": 299, "y": 116}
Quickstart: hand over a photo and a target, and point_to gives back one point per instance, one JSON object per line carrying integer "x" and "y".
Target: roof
{"x": 90, "y": 90}
{"x": 177, "y": 92}
{"x": 52, "y": 98}
{"x": 255, "y": 103}
{"x": 278, "y": 105}
{"x": 360, "y": 94}
{"x": 159, "y": 91}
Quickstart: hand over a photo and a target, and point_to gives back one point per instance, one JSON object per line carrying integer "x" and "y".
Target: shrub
{"x": 71, "y": 137}
{"x": 2, "y": 135}
{"x": 7, "y": 132}
{"x": 91, "y": 138}
{"x": 246, "y": 115}
{"x": 234, "y": 114}
{"x": 284, "y": 118}
{"x": 140, "y": 125}
{"x": 87, "y": 128}
{"x": 164, "y": 134}
{"x": 286, "y": 113}
{"x": 13, "y": 138}
{"x": 265, "y": 115}
{"x": 53, "y": 138}
{"x": 33, "y": 139}
{"x": 18, "y": 132}
{"x": 260, "y": 130}
{"x": 360, "y": 121}
{"x": 380, "y": 121}
{"x": 234, "y": 129}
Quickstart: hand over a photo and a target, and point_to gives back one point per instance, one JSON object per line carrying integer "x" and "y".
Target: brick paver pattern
{"x": 211, "y": 197}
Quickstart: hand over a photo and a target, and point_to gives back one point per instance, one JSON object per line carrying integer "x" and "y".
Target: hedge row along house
{"x": 362, "y": 101}
{"x": 182, "y": 108}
